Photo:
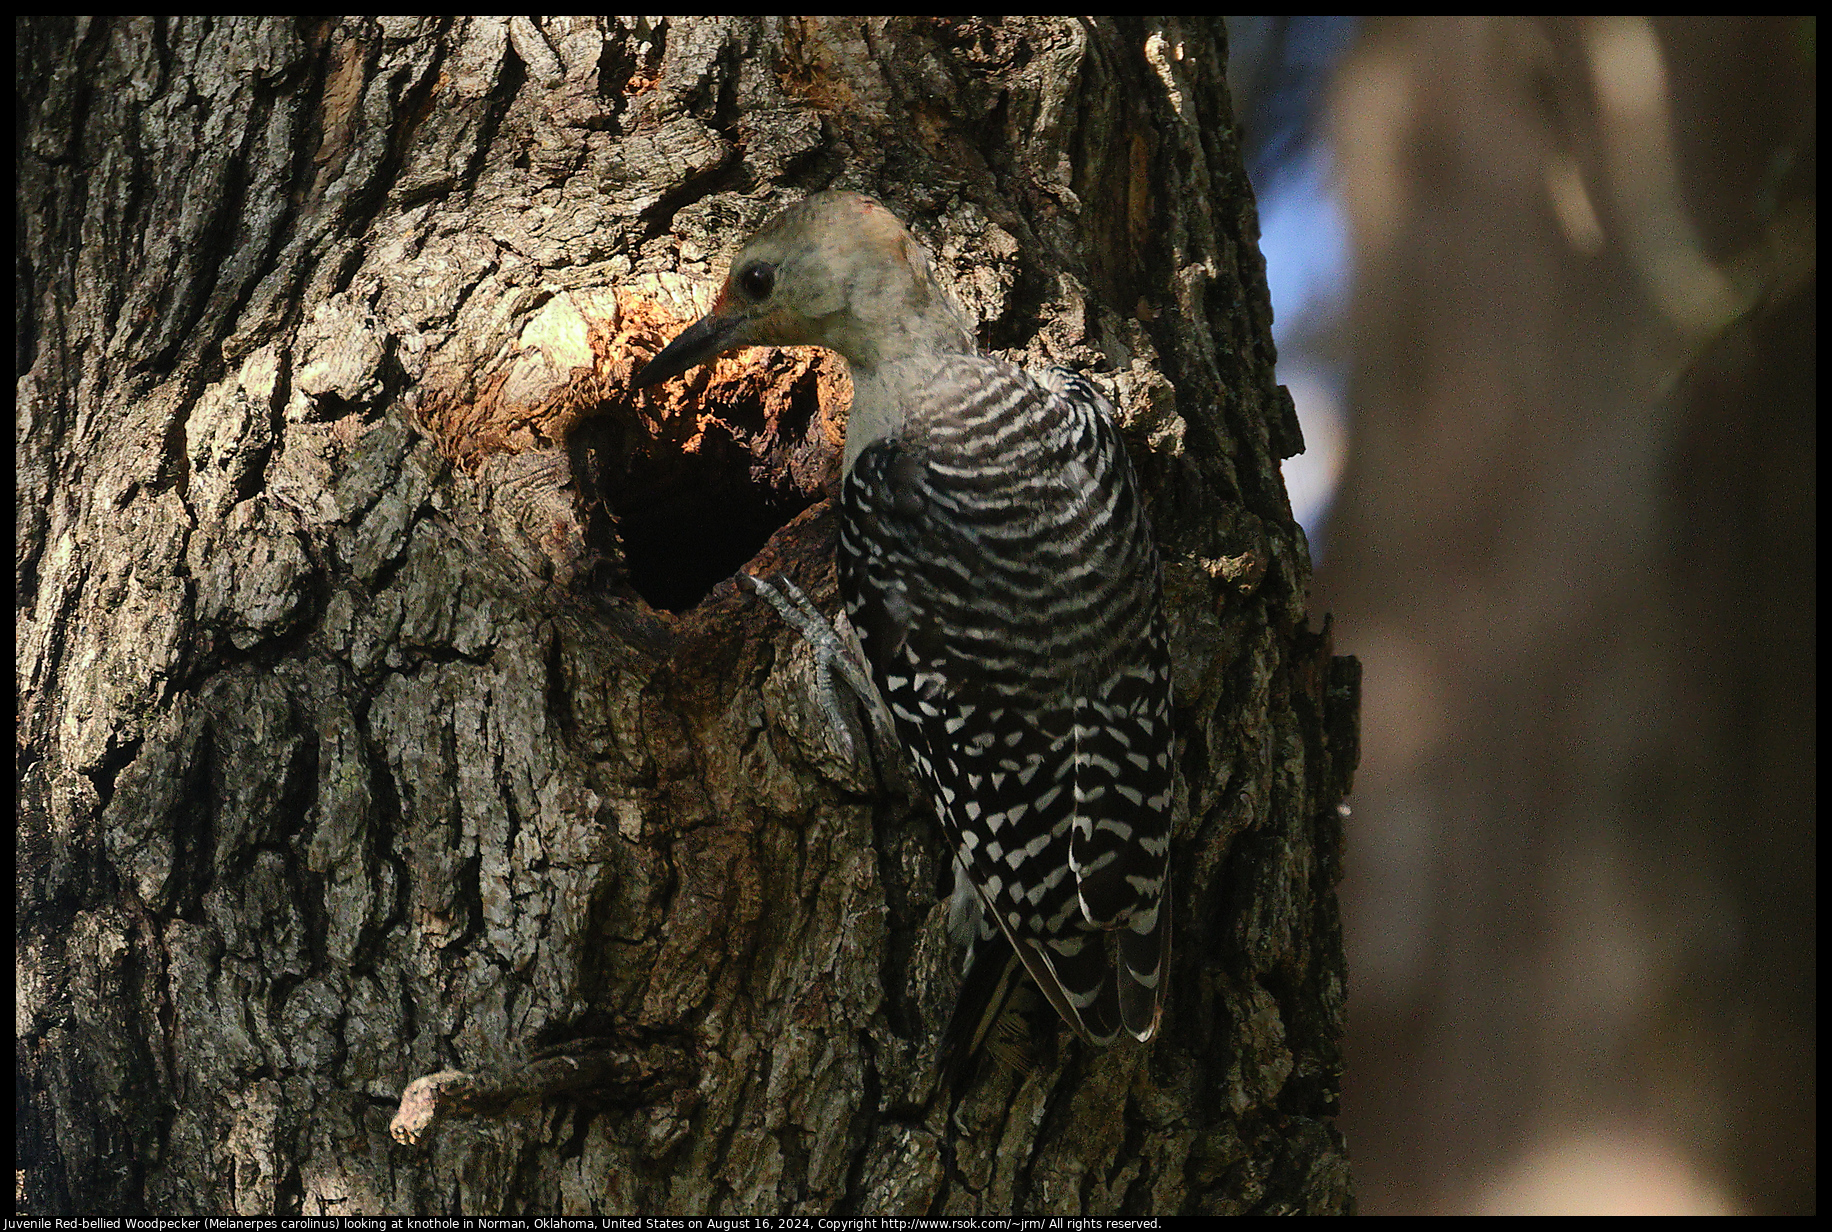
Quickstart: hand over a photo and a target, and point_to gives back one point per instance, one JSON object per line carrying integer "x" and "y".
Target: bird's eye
{"x": 757, "y": 280}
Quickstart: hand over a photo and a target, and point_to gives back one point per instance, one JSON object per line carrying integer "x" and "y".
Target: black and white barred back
{"x": 997, "y": 564}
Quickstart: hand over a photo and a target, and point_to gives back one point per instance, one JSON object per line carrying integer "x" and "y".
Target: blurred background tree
{"x": 1559, "y": 350}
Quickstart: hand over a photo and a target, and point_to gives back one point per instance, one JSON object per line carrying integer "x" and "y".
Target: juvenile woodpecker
{"x": 997, "y": 565}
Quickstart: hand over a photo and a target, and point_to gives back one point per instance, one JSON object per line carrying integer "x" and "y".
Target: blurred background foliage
{"x": 1546, "y": 302}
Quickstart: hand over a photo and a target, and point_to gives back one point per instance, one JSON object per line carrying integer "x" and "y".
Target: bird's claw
{"x": 831, "y": 655}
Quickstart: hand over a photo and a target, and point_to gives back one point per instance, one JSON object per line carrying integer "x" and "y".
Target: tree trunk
{"x": 388, "y": 705}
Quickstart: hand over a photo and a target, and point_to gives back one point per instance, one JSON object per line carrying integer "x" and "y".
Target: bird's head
{"x": 836, "y": 270}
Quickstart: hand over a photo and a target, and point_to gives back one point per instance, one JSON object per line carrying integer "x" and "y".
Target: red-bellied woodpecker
{"x": 997, "y": 566}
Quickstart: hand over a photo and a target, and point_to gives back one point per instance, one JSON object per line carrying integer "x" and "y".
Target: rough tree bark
{"x": 388, "y": 706}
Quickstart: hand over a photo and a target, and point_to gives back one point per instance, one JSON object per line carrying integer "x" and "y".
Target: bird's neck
{"x": 888, "y": 393}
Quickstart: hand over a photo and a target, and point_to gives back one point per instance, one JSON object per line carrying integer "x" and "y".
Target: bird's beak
{"x": 706, "y": 339}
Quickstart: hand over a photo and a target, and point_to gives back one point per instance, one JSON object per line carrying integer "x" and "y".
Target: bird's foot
{"x": 833, "y": 656}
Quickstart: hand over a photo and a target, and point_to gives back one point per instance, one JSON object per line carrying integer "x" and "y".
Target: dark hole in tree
{"x": 687, "y": 514}
{"x": 683, "y": 536}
